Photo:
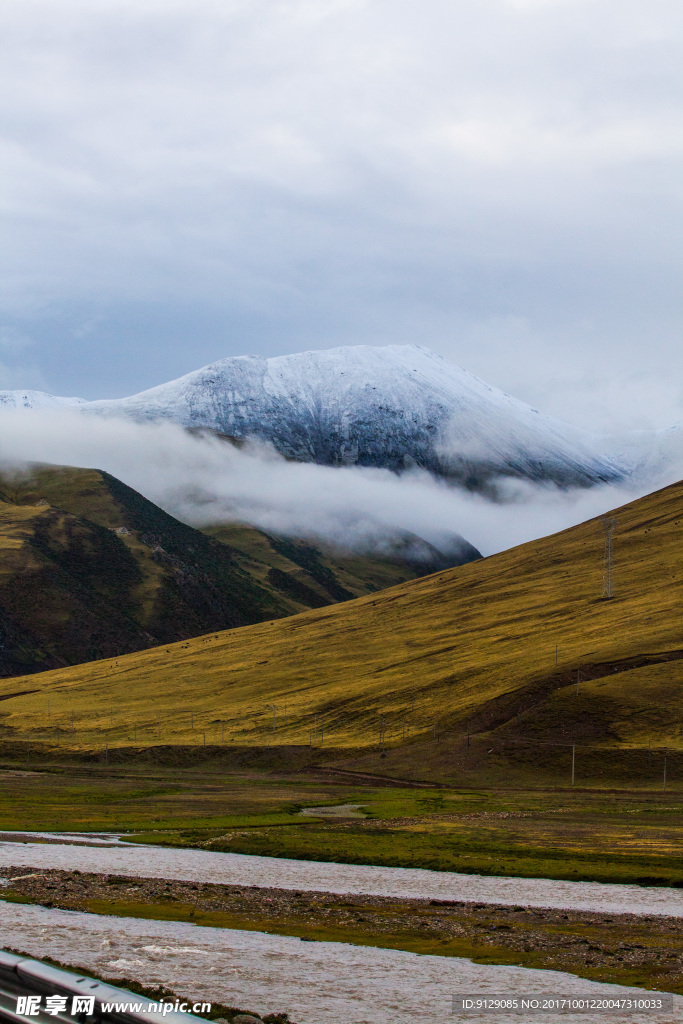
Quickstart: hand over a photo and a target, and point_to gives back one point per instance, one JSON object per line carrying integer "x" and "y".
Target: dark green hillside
{"x": 91, "y": 569}
{"x": 311, "y": 577}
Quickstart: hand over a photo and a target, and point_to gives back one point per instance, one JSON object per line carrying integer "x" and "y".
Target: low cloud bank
{"x": 203, "y": 481}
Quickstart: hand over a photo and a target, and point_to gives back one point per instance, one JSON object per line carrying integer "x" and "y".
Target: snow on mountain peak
{"x": 392, "y": 406}
{"x": 396, "y": 406}
{"x": 35, "y": 400}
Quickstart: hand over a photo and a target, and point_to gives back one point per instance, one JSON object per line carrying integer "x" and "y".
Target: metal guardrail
{"x": 22, "y": 977}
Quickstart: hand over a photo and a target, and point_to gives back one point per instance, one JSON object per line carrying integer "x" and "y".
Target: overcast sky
{"x": 499, "y": 180}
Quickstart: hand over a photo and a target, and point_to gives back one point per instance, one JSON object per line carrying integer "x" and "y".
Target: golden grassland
{"x": 91, "y": 799}
{"x": 88, "y": 493}
{"x": 475, "y": 644}
{"x": 358, "y": 575}
{"x": 14, "y": 529}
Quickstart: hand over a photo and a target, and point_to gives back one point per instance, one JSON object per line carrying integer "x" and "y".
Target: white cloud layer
{"x": 204, "y": 481}
{"x": 496, "y": 179}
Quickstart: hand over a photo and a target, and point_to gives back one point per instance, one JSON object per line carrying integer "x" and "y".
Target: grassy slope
{"x": 50, "y": 612}
{"x": 475, "y": 644}
{"x": 73, "y": 589}
{"x": 312, "y": 577}
{"x": 91, "y": 569}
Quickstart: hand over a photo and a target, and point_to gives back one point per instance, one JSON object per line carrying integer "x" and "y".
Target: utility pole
{"x": 608, "y": 523}
{"x": 573, "y": 760}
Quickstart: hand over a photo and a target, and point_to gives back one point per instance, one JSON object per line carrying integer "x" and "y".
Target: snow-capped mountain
{"x": 35, "y": 400}
{"x": 649, "y": 454}
{"x": 397, "y": 406}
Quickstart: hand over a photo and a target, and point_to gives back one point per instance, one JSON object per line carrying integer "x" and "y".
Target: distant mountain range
{"x": 398, "y": 407}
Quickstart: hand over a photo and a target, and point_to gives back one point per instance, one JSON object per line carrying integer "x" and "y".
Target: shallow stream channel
{"x": 314, "y": 982}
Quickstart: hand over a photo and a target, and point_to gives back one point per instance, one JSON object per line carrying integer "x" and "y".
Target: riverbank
{"x": 611, "y": 836}
{"x": 317, "y": 982}
{"x": 310, "y": 876}
{"x": 626, "y": 949}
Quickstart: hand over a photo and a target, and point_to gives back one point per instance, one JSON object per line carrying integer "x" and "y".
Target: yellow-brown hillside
{"x": 477, "y": 643}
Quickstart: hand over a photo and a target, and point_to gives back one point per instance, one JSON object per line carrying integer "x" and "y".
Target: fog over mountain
{"x": 355, "y": 446}
{"x": 393, "y": 407}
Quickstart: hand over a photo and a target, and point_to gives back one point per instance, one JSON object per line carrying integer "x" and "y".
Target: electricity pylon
{"x": 609, "y": 523}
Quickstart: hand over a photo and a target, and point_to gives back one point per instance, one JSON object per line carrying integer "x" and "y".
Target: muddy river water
{"x": 279, "y": 872}
{"x": 315, "y": 982}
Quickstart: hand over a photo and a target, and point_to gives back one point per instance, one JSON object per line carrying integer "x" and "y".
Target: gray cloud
{"x": 496, "y": 179}
{"x": 202, "y": 481}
